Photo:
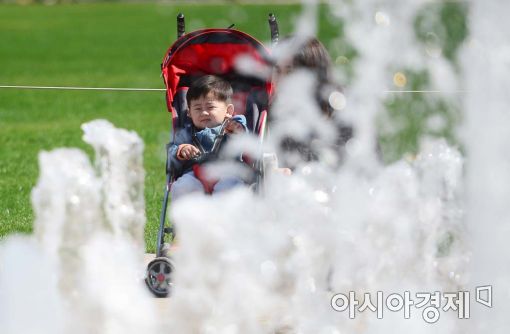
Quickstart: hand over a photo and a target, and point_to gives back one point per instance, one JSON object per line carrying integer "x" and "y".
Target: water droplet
{"x": 298, "y": 241}
{"x": 382, "y": 19}
{"x": 321, "y": 196}
{"x": 341, "y": 60}
{"x": 75, "y": 200}
{"x": 311, "y": 285}
{"x": 399, "y": 79}
{"x": 337, "y": 100}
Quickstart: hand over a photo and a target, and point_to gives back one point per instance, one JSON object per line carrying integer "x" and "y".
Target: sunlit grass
{"x": 97, "y": 45}
{"x": 122, "y": 45}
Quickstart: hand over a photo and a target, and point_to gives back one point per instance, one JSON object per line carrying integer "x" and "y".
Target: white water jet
{"x": 366, "y": 228}
{"x": 84, "y": 264}
{"x": 486, "y": 73}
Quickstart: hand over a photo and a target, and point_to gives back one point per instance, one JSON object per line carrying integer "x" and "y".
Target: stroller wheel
{"x": 158, "y": 279}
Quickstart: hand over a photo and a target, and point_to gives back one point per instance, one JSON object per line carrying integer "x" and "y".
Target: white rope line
{"x": 426, "y": 91}
{"x": 86, "y": 88}
{"x": 163, "y": 89}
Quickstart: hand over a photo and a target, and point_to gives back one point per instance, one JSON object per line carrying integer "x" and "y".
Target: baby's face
{"x": 208, "y": 112}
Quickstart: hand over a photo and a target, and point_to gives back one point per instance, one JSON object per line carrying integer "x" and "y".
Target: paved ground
{"x": 148, "y": 257}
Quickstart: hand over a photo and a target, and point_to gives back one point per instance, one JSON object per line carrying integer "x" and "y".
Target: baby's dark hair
{"x": 219, "y": 87}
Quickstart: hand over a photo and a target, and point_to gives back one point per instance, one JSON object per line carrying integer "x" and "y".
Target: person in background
{"x": 309, "y": 54}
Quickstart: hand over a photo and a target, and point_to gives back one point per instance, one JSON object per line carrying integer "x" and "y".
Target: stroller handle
{"x": 273, "y": 26}
{"x": 181, "y": 26}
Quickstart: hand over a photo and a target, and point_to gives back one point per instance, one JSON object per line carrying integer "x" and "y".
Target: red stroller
{"x": 218, "y": 52}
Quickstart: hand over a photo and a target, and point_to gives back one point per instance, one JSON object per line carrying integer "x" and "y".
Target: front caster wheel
{"x": 159, "y": 276}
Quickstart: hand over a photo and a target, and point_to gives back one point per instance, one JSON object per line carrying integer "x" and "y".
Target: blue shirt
{"x": 205, "y": 137}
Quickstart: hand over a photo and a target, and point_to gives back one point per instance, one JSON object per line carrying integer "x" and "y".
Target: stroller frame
{"x": 159, "y": 270}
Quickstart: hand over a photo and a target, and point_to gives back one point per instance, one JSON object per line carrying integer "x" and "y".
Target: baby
{"x": 209, "y": 106}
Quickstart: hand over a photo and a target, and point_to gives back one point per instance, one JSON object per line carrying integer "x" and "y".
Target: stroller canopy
{"x": 224, "y": 52}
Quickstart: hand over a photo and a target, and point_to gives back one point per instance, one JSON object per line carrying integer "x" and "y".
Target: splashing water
{"x": 271, "y": 264}
{"x": 82, "y": 270}
{"x": 486, "y": 75}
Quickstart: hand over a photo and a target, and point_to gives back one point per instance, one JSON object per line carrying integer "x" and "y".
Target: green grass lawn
{"x": 122, "y": 45}
{"x": 97, "y": 45}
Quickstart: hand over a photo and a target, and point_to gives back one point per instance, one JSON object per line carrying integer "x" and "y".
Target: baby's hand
{"x": 234, "y": 127}
{"x": 187, "y": 152}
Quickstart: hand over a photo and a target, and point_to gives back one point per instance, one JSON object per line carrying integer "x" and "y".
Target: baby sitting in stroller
{"x": 211, "y": 111}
